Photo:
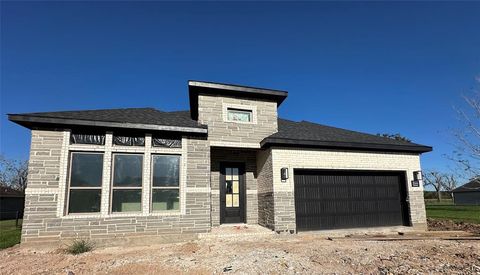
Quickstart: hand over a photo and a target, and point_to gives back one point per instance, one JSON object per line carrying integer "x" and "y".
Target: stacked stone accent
{"x": 265, "y": 189}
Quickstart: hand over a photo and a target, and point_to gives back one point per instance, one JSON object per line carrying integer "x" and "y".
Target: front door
{"x": 232, "y": 193}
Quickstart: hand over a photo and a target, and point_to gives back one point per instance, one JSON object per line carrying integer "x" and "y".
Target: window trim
{"x": 112, "y": 188}
{"x": 238, "y": 107}
{"x": 166, "y": 187}
{"x": 69, "y": 187}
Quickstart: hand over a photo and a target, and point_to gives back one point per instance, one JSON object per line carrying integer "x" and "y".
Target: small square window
{"x": 239, "y": 115}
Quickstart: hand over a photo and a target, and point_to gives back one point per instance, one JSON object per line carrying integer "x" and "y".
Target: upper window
{"x": 127, "y": 183}
{"x": 239, "y": 115}
{"x": 129, "y": 140}
{"x": 165, "y": 182}
{"x": 85, "y": 182}
{"x": 95, "y": 139}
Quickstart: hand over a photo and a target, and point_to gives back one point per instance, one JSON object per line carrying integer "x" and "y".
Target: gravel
{"x": 271, "y": 254}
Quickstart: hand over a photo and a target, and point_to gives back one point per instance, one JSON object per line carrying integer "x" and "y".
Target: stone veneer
{"x": 284, "y": 203}
{"x": 248, "y": 157}
{"x": 45, "y": 218}
{"x": 265, "y": 189}
{"x": 212, "y": 112}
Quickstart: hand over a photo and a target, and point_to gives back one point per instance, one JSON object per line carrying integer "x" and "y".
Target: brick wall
{"x": 322, "y": 159}
{"x": 45, "y": 218}
{"x": 265, "y": 189}
{"x": 212, "y": 112}
{"x": 248, "y": 157}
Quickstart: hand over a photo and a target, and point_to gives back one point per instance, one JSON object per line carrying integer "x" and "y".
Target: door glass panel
{"x": 228, "y": 187}
{"x": 228, "y": 173}
{"x": 235, "y": 186}
{"x": 228, "y": 200}
{"x": 235, "y": 200}
{"x": 234, "y": 173}
{"x": 232, "y": 187}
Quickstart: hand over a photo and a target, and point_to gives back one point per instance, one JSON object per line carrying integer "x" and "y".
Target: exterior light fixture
{"x": 284, "y": 174}
{"x": 417, "y": 178}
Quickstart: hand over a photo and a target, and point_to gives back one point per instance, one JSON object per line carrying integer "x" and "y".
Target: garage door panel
{"x": 347, "y": 199}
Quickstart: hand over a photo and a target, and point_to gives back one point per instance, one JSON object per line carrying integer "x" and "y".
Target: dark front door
{"x": 232, "y": 193}
{"x": 348, "y": 199}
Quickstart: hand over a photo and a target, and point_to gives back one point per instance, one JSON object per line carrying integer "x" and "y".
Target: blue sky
{"x": 372, "y": 67}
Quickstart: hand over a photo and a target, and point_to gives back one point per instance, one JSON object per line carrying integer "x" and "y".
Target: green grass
{"x": 9, "y": 233}
{"x": 448, "y": 211}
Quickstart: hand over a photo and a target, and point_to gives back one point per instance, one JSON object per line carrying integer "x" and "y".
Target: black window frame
{"x": 152, "y": 187}
{"x": 69, "y": 183}
{"x": 128, "y": 188}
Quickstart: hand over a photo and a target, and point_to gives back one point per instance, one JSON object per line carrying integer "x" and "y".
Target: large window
{"x": 85, "y": 186}
{"x": 165, "y": 182}
{"x": 127, "y": 183}
{"x": 239, "y": 115}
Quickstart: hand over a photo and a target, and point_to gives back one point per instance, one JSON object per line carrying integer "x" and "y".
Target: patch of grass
{"x": 466, "y": 213}
{"x": 79, "y": 246}
{"x": 9, "y": 233}
{"x": 436, "y": 202}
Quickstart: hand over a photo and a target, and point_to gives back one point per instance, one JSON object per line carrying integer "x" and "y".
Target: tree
{"x": 467, "y": 145}
{"x": 13, "y": 173}
{"x": 449, "y": 183}
{"x": 436, "y": 180}
{"x": 396, "y": 136}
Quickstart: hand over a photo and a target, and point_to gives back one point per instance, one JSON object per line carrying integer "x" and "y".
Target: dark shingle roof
{"x": 472, "y": 186}
{"x": 306, "y": 133}
{"x": 129, "y": 118}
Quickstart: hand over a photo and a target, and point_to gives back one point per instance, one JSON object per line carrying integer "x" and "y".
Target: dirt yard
{"x": 271, "y": 254}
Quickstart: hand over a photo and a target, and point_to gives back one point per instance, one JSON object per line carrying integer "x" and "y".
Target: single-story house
{"x": 122, "y": 173}
{"x": 467, "y": 194}
{"x": 11, "y": 203}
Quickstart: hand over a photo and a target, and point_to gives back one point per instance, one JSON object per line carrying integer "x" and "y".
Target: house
{"x": 11, "y": 203}
{"x": 467, "y": 194}
{"x": 105, "y": 174}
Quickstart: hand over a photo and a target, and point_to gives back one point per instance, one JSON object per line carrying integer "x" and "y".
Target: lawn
{"x": 9, "y": 233}
{"x": 448, "y": 211}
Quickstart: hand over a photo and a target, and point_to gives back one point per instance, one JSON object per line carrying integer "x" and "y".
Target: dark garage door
{"x": 349, "y": 199}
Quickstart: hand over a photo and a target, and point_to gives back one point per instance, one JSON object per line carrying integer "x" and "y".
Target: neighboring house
{"x": 105, "y": 174}
{"x": 467, "y": 194}
{"x": 11, "y": 203}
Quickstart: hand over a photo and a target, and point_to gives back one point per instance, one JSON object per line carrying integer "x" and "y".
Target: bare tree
{"x": 436, "y": 180}
{"x": 449, "y": 183}
{"x": 467, "y": 152}
{"x": 13, "y": 173}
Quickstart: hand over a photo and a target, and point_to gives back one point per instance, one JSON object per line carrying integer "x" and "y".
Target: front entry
{"x": 232, "y": 193}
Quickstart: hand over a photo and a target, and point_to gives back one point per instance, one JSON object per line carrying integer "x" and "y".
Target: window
{"x": 127, "y": 183}
{"x": 127, "y": 140}
{"x": 94, "y": 139}
{"x": 239, "y": 115}
{"x": 85, "y": 188}
{"x": 165, "y": 182}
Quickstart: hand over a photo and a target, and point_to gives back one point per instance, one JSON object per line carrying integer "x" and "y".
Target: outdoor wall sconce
{"x": 284, "y": 174}
{"x": 417, "y": 178}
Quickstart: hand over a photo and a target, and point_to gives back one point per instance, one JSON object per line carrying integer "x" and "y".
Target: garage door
{"x": 349, "y": 199}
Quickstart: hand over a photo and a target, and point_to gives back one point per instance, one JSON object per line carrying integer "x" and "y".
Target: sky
{"x": 375, "y": 67}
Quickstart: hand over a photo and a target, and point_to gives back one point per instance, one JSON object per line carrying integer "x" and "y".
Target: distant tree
{"x": 441, "y": 182}
{"x": 434, "y": 179}
{"x": 13, "y": 173}
{"x": 396, "y": 136}
{"x": 467, "y": 151}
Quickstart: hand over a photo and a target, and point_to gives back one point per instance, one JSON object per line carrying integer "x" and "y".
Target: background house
{"x": 11, "y": 203}
{"x": 467, "y": 194}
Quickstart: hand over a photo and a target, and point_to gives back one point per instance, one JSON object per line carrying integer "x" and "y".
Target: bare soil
{"x": 449, "y": 225}
{"x": 267, "y": 254}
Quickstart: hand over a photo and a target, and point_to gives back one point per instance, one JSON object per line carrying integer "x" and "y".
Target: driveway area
{"x": 270, "y": 254}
